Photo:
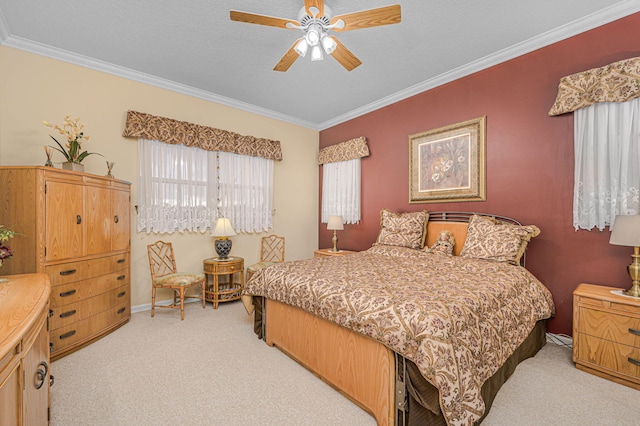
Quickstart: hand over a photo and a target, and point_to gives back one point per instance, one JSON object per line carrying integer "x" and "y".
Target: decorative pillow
{"x": 403, "y": 229}
{"x": 443, "y": 245}
{"x": 488, "y": 238}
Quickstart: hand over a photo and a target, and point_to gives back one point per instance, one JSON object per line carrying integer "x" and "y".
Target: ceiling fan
{"x": 315, "y": 21}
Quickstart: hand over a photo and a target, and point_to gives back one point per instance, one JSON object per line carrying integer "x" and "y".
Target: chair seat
{"x": 252, "y": 269}
{"x": 178, "y": 279}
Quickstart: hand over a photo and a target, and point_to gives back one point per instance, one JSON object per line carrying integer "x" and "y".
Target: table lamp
{"x": 335, "y": 224}
{"x": 626, "y": 232}
{"x": 223, "y": 230}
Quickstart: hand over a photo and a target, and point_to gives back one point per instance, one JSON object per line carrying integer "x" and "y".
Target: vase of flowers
{"x": 73, "y": 154}
{"x": 5, "y": 250}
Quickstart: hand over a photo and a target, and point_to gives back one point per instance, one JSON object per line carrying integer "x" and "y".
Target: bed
{"x": 410, "y": 336}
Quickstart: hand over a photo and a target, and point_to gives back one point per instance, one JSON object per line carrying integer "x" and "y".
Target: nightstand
{"x": 327, "y": 252}
{"x": 214, "y": 267}
{"x": 606, "y": 334}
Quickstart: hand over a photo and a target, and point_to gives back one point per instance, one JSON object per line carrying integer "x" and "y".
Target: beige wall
{"x": 35, "y": 88}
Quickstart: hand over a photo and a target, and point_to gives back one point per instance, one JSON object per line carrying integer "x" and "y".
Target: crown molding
{"x": 605, "y": 16}
{"x": 590, "y": 22}
{"x": 109, "y": 68}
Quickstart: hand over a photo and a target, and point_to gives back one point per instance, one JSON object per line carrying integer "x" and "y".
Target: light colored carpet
{"x": 211, "y": 369}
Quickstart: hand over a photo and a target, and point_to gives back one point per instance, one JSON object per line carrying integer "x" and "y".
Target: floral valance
{"x": 167, "y": 130}
{"x": 349, "y": 150}
{"x": 616, "y": 82}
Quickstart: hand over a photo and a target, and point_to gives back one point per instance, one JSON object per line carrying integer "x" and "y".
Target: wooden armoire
{"x": 75, "y": 227}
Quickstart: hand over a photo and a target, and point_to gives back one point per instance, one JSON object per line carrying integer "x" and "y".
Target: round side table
{"x": 217, "y": 292}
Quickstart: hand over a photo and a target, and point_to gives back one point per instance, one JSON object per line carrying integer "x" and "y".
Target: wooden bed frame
{"x": 364, "y": 370}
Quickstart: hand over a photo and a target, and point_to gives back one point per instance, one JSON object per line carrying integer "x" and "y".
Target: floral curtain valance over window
{"x": 167, "y": 130}
{"x": 349, "y": 150}
{"x": 341, "y": 179}
{"x": 616, "y": 82}
{"x": 605, "y": 103}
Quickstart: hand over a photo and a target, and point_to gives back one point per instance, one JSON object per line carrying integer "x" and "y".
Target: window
{"x": 186, "y": 189}
{"x": 607, "y": 154}
{"x": 341, "y": 190}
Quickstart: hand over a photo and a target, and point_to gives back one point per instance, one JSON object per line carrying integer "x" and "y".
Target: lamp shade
{"x": 335, "y": 223}
{"x": 626, "y": 231}
{"x": 223, "y": 228}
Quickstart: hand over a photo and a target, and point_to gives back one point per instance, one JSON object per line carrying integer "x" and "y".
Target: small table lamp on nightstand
{"x": 626, "y": 232}
{"x": 223, "y": 230}
{"x": 335, "y": 224}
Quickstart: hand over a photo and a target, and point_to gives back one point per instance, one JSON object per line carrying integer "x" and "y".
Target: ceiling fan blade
{"x": 269, "y": 21}
{"x": 288, "y": 59}
{"x": 368, "y": 18}
{"x": 318, "y": 4}
{"x": 344, "y": 56}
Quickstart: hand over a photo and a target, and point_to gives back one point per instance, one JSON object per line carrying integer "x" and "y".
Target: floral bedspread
{"x": 457, "y": 319}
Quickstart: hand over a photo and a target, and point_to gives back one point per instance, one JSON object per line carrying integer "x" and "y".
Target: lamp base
{"x": 223, "y": 247}
{"x": 634, "y": 272}
{"x": 334, "y": 240}
{"x": 634, "y": 290}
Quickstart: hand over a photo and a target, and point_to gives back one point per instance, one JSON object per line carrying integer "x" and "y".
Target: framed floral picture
{"x": 448, "y": 164}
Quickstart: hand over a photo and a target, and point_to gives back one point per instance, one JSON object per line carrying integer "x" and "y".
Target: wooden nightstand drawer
{"x": 608, "y": 326}
{"x": 609, "y": 355}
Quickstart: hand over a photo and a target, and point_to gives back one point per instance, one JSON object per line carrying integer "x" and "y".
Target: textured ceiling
{"x": 194, "y": 48}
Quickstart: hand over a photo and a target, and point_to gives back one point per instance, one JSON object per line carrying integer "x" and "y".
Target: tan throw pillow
{"x": 403, "y": 229}
{"x": 488, "y": 238}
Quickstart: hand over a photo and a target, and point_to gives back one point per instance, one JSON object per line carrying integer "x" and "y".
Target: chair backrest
{"x": 272, "y": 249}
{"x": 161, "y": 260}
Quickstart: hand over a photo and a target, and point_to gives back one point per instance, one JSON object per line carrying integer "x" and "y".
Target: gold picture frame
{"x": 448, "y": 164}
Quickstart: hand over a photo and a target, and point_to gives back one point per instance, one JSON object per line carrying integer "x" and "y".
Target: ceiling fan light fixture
{"x": 316, "y": 53}
{"x": 302, "y": 47}
{"x": 313, "y": 35}
{"x": 328, "y": 44}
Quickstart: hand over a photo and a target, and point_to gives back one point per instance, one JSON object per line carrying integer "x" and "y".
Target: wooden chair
{"x": 164, "y": 275}
{"x": 271, "y": 252}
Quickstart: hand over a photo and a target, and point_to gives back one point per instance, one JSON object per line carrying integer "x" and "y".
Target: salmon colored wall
{"x": 529, "y": 159}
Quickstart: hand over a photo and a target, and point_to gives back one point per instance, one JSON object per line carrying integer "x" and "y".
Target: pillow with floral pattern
{"x": 491, "y": 239}
{"x": 403, "y": 229}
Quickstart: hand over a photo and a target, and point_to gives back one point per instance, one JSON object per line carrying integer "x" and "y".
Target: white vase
{"x": 76, "y": 167}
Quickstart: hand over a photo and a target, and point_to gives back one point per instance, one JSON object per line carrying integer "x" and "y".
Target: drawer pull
{"x": 121, "y": 277}
{"x": 121, "y": 310}
{"x": 633, "y": 331}
{"x": 41, "y": 374}
{"x": 116, "y": 219}
{"x": 633, "y": 361}
{"x": 78, "y": 220}
{"x": 68, "y": 314}
{"x": 122, "y": 293}
{"x": 68, "y": 293}
{"x": 67, "y": 334}
{"x": 121, "y": 260}
{"x": 68, "y": 272}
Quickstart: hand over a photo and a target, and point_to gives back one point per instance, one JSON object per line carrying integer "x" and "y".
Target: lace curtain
{"x": 341, "y": 190}
{"x": 184, "y": 188}
{"x": 607, "y": 163}
{"x": 246, "y": 191}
